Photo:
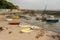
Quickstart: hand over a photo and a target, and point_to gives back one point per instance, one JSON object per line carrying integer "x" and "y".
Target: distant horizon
{"x": 41, "y": 9}
{"x": 36, "y": 10}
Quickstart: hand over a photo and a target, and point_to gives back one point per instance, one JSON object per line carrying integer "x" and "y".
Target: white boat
{"x": 8, "y": 19}
{"x": 52, "y": 19}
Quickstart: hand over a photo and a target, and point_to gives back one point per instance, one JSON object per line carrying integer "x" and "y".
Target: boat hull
{"x": 53, "y": 21}
{"x": 14, "y": 23}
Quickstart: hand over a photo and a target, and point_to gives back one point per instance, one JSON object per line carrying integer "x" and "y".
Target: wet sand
{"x": 41, "y": 34}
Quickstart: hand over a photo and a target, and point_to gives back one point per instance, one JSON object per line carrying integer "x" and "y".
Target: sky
{"x": 37, "y": 4}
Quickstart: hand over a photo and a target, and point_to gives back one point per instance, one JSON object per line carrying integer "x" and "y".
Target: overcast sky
{"x": 37, "y": 4}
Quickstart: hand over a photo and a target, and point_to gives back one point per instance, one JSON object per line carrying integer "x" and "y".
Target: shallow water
{"x": 54, "y": 27}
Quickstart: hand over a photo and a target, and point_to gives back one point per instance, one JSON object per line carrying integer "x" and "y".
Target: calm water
{"x": 54, "y": 27}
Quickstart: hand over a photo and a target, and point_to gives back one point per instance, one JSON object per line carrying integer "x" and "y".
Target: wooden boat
{"x": 14, "y": 23}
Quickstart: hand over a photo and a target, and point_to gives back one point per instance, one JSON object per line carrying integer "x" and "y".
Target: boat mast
{"x": 43, "y": 14}
{"x": 44, "y": 9}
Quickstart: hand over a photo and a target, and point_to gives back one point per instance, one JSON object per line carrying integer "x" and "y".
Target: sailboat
{"x": 49, "y": 18}
{"x": 44, "y": 16}
{"x": 52, "y": 19}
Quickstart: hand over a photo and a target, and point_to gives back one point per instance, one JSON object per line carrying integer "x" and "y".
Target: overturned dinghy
{"x": 14, "y": 22}
{"x": 26, "y": 29}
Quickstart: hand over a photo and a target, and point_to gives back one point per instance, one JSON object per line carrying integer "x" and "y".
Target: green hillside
{"x": 4, "y": 4}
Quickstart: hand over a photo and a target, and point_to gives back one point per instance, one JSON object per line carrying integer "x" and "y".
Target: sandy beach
{"x": 12, "y": 32}
{"x": 43, "y": 34}
{"x": 29, "y": 20}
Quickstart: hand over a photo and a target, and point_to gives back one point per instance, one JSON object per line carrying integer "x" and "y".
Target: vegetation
{"x": 4, "y": 4}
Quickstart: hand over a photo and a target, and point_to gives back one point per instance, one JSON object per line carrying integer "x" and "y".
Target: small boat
{"x": 44, "y": 16}
{"x": 26, "y": 29}
{"x": 14, "y": 23}
{"x": 8, "y": 18}
{"x": 15, "y": 17}
{"x": 48, "y": 18}
{"x": 52, "y": 19}
{"x": 39, "y": 17}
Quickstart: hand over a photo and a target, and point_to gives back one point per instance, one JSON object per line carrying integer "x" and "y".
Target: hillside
{"x": 4, "y": 4}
